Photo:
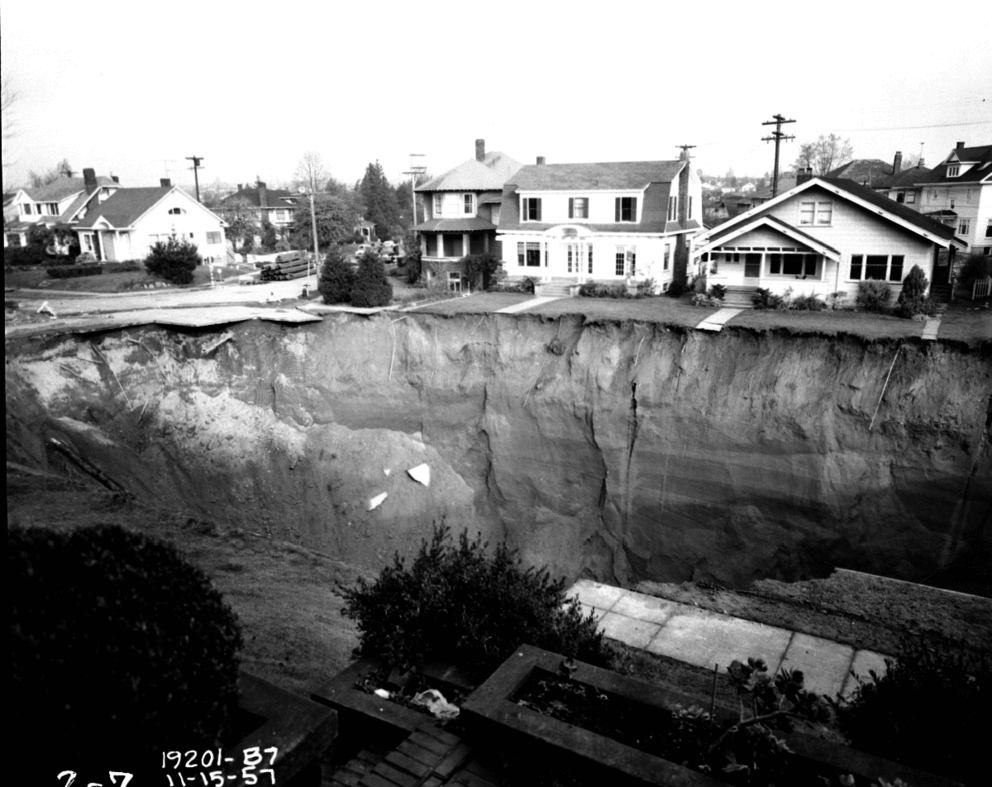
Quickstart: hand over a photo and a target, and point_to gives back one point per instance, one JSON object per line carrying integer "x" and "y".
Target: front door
{"x": 752, "y": 266}
{"x": 942, "y": 270}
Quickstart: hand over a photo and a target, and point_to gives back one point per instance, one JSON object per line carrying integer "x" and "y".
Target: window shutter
{"x": 571, "y": 207}
{"x": 539, "y": 211}
{"x": 616, "y": 210}
{"x": 633, "y": 208}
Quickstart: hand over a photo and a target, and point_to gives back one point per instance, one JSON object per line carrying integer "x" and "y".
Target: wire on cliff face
{"x": 886, "y": 385}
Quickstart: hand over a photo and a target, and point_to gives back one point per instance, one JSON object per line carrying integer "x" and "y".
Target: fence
{"x": 981, "y": 288}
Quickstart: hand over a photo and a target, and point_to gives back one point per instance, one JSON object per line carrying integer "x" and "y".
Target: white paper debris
{"x": 421, "y": 473}
{"x": 435, "y": 702}
{"x": 386, "y": 470}
{"x": 382, "y": 693}
{"x": 376, "y": 501}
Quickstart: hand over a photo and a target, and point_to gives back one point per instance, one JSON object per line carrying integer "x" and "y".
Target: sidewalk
{"x": 704, "y": 638}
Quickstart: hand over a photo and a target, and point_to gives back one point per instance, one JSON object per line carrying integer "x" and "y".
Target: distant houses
{"x": 273, "y": 206}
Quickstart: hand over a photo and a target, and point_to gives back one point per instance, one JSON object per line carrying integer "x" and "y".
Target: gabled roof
{"x": 864, "y": 197}
{"x": 59, "y": 189}
{"x": 603, "y": 176}
{"x": 725, "y": 234}
{"x": 274, "y": 198}
{"x": 487, "y": 175}
{"x": 862, "y": 170}
{"x": 903, "y": 179}
{"x": 125, "y": 206}
{"x": 980, "y": 157}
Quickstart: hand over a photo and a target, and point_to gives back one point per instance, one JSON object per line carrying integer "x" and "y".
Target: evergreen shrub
{"x": 482, "y": 270}
{"x": 873, "y": 296}
{"x": 25, "y": 255}
{"x": 74, "y": 271}
{"x": 766, "y": 299}
{"x": 676, "y": 289}
{"x": 175, "y": 260}
{"x": 463, "y": 603}
{"x": 809, "y": 303}
{"x": 337, "y": 278}
{"x": 120, "y": 649}
{"x": 913, "y": 299}
{"x": 371, "y": 287}
{"x": 717, "y": 291}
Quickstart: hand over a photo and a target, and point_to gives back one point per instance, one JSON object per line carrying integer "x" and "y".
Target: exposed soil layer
{"x": 621, "y": 452}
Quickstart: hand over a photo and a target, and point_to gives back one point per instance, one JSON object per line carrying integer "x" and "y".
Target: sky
{"x": 132, "y": 89}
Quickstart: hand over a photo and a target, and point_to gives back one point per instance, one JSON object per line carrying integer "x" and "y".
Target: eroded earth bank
{"x": 621, "y": 452}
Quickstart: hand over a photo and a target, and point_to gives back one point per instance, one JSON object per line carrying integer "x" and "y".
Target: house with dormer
{"x": 462, "y": 210}
{"x": 56, "y": 204}
{"x": 275, "y": 206}
{"x": 126, "y": 224}
{"x": 608, "y": 222}
{"x": 958, "y": 193}
{"x": 903, "y": 185}
{"x": 825, "y": 236}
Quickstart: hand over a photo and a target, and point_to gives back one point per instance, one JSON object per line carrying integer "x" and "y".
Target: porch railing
{"x": 981, "y": 288}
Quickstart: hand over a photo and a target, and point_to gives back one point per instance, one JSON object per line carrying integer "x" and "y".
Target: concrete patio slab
{"x": 647, "y": 608}
{"x": 594, "y": 611}
{"x": 824, "y": 663}
{"x": 636, "y": 633}
{"x": 864, "y": 661}
{"x": 524, "y": 305}
{"x": 705, "y": 639}
{"x": 596, "y": 594}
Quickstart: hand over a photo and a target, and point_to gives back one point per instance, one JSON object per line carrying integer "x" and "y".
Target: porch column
{"x": 465, "y": 246}
{"x": 440, "y": 244}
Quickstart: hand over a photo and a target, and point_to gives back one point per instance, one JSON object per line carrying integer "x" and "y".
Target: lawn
{"x": 482, "y": 303}
{"x": 108, "y": 281}
{"x": 830, "y": 323}
{"x": 967, "y": 321}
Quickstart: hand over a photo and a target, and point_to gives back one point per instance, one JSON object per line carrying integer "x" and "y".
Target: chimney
{"x": 263, "y": 195}
{"x": 897, "y": 163}
{"x": 540, "y": 161}
{"x": 89, "y": 180}
{"x": 804, "y": 174}
{"x": 960, "y": 146}
{"x": 165, "y": 183}
{"x": 115, "y": 178}
{"x": 240, "y": 186}
{"x": 919, "y": 163}
{"x": 480, "y": 149}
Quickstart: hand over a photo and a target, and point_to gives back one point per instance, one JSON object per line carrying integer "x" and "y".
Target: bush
{"x": 975, "y": 268}
{"x": 766, "y": 299}
{"x": 25, "y": 255}
{"x": 592, "y": 289}
{"x": 337, "y": 278}
{"x": 371, "y": 287}
{"x": 873, "y": 296}
{"x": 120, "y": 649}
{"x": 175, "y": 260}
{"x": 718, "y": 291}
{"x": 74, "y": 271}
{"x": 913, "y": 299}
{"x": 702, "y": 299}
{"x": 809, "y": 303}
{"x": 928, "y": 710}
{"x": 269, "y": 236}
{"x": 413, "y": 266}
{"x": 482, "y": 270}
{"x": 460, "y": 602}
{"x": 676, "y": 289}
{"x": 127, "y": 266}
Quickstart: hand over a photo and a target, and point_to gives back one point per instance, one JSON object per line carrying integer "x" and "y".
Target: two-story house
{"x": 825, "y": 236}
{"x": 462, "y": 211}
{"x": 903, "y": 185}
{"x": 958, "y": 193}
{"x": 56, "y": 204}
{"x": 605, "y": 221}
{"x": 125, "y": 225}
{"x": 275, "y": 206}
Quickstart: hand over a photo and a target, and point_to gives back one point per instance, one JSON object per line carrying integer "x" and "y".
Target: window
{"x": 964, "y": 226}
{"x": 589, "y": 253}
{"x": 986, "y": 252}
{"x": 455, "y": 280}
{"x": 572, "y": 252}
{"x": 953, "y": 170}
{"x": 282, "y": 215}
{"x": 532, "y": 209}
{"x": 26, "y": 208}
{"x": 792, "y": 264}
{"x": 819, "y": 213}
{"x": 529, "y": 254}
{"x": 910, "y": 197}
{"x": 901, "y": 196}
{"x": 988, "y": 229}
{"x": 626, "y": 261}
{"x": 877, "y": 267}
{"x": 578, "y": 207}
{"x": 176, "y": 211}
{"x": 673, "y": 208}
{"x": 438, "y": 202}
{"x": 668, "y": 257}
{"x": 689, "y": 214}
{"x": 469, "y": 203}
{"x": 625, "y": 209}
{"x": 213, "y": 237}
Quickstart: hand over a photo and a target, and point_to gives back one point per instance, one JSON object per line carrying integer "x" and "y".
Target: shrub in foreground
{"x": 766, "y": 299}
{"x": 175, "y": 260}
{"x": 120, "y": 649}
{"x": 873, "y": 296}
{"x": 913, "y": 298}
{"x": 808, "y": 303}
{"x": 930, "y": 710}
{"x": 337, "y": 277}
{"x": 73, "y": 271}
{"x": 371, "y": 287}
{"x": 464, "y": 603}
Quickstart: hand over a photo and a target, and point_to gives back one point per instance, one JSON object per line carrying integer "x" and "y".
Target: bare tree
{"x": 827, "y": 153}
{"x": 310, "y": 172}
{"x": 8, "y": 97}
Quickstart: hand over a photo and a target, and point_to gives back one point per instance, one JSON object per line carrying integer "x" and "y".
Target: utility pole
{"x": 196, "y": 177}
{"x": 776, "y": 136}
{"x": 413, "y": 172}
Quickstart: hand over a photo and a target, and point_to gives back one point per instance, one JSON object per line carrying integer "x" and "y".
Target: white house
{"x": 825, "y": 235}
{"x": 606, "y": 221}
{"x": 56, "y": 204}
{"x": 958, "y": 193}
{"x": 126, "y": 224}
{"x": 275, "y": 206}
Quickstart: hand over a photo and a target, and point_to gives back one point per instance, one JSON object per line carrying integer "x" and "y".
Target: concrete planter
{"x": 491, "y": 709}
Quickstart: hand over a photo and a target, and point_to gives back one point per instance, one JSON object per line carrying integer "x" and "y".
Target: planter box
{"x": 490, "y": 707}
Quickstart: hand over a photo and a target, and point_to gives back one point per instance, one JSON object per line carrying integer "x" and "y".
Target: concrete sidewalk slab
{"x": 864, "y": 662}
{"x": 705, "y": 639}
{"x": 636, "y": 633}
{"x": 930, "y": 329}
{"x": 647, "y": 608}
{"x": 716, "y": 321}
{"x": 524, "y": 305}
{"x": 824, "y": 663}
{"x": 596, "y": 594}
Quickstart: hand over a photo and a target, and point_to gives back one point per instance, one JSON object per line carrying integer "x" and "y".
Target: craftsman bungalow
{"x": 607, "y": 221}
{"x": 826, "y": 235}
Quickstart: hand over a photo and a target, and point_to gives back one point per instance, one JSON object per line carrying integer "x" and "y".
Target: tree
{"x": 372, "y": 287}
{"x": 269, "y": 236}
{"x": 482, "y": 270}
{"x": 913, "y": 297}
{"x": 241, "y": 224}
{"x": 8, "y": 97}
{"x": 175, "y": 260}
{"x": 380, "y": 201}
{"x": 335, "y": 223}
{"x": 337, "y": 278}
{"x": 827, "y": 153}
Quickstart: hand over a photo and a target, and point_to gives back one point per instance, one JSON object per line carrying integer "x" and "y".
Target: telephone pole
{"x": 196, "y": 177}
{"x": 776, "y": 136}
{"x": 413, "y": 172}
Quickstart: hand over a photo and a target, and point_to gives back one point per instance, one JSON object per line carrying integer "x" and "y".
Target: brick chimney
{"x": 480, "y": 149}
{"x": 115, "y": 178}
{"x": 804, "y": 174}
{"x": 89, "y": 180}
{"x": 165, "y": 183}
{"x": 540, "y": 161}
{"x": 263, "y": 194}
{"x": 960, "y": 146}
{"x": 897, "y": 163}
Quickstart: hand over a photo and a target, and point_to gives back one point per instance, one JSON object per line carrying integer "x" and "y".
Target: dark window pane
{"x": 895, "y": 271}
{"x": 792, "y": 265}
{"x": 810, "y": 265}
{"x": 876, "y": 266}
{"x": 776, "y": 263}
{"x": 856, "y": 260}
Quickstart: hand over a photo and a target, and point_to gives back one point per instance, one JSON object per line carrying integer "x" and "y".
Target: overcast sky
{"x": 133, "y": 88}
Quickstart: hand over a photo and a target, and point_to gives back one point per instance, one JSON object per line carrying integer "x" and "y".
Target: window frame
{"x": 625, "y": 206}
{"x": 438, "y": 206}
{"x": 815, "y": 211}
{"x": 528, "y": 206}
{"x": 953, "y": 170}
{"x": 964, "y": 226}
{"x": 573, "y": 204}
{"x": 468, "y": 204}
{"x": 213, "y": 237}
{"x": 861, "y": 262}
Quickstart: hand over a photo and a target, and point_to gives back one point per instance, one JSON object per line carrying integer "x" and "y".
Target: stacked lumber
{"x": 289, "y": 265}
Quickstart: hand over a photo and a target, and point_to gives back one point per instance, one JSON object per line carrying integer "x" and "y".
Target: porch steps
{"x": 739, "y": 297}
{"x": 941, "y": 293}
{"x": 556, "y": 288}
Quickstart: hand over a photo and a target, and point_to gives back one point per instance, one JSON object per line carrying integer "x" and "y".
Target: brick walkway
{"x": 705, "y": 638}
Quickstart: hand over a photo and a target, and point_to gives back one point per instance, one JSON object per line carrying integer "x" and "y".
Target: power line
{"x": 909, "y": 128}
{"x": 777, "y": 137}
{"x": 196, "y": 177}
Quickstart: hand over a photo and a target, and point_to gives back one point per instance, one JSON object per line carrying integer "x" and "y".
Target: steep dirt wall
{"x": 620, "y": 451}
